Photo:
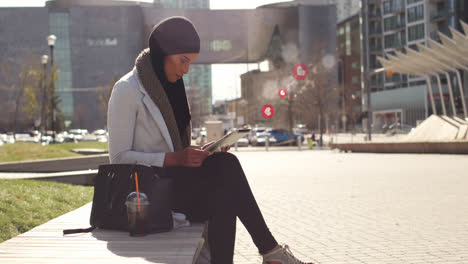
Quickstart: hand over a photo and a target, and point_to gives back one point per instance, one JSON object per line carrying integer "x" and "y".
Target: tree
{"x": 26, "y": 89}
{"x": 104, "y": 94}
{"x": 8, "y": 84}
{"x": 315, "y": 99}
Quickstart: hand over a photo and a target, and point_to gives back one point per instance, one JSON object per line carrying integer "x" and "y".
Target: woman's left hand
{"x": 225, "y": 149}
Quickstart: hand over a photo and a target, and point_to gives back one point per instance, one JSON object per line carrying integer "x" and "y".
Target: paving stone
{"x": 336, "y": 207}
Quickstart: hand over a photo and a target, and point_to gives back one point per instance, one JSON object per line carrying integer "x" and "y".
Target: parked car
{"x": 26, "y": 137}
{"x": 301, "y": 129}
{"x": 243, "y": 142}
{"x": 260, "y": 139}
{"x": 65, "y": 137}
{"x": 46, "y": 140}
{"x": 255, "y": 131}
{"x": 8, "y": 138}
{"x": 77, "y": 134}
{"x": 97, "y": 135}
{"x": 101, "y": 135}
{"x": 282, "y": 135}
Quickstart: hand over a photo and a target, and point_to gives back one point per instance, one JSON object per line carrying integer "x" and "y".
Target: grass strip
{"x": 32, "y": 151}
{"x": 25, "y": 204}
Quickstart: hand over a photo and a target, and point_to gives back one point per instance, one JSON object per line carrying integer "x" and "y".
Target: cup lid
{"x": 133, "y": 198}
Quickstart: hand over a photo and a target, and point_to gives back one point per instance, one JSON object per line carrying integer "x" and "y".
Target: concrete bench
{"x": 46, "y": 244}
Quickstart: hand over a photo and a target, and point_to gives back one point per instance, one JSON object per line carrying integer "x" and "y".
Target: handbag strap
{"x": 79, "y": 230}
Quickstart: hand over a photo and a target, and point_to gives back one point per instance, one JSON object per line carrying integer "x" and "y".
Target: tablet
{"x": 229, "y": 139}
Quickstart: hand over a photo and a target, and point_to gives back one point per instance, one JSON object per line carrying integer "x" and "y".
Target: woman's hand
{"x": 223, "y": 149}
{"x": 192, "y": 156}
{"x": 207, "y": 144}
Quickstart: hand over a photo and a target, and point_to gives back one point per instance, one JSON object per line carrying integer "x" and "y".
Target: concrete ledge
{"x": 91, "y": 162}
{"x": 452, "y": 147}
{"x": 72, "y": 177}
{"x": 89, "y": 151}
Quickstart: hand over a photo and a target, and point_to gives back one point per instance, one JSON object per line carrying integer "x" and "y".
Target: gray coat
{"x": 141, "y": 122}
{"x": 137, "y": 130}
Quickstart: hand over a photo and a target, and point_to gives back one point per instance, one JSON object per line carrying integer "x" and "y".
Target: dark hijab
{"x": 174, "y": 35}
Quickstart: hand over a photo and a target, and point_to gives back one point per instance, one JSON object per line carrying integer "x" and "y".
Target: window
{"x": 394, "y": 22}
{"x": 355, "y": 79}
{"x": 415, "y": 13}
{"x": 348, "y": 47}
{"x": 391, "y": 6}
{"x": 413, "y": 1}
{"x": 341, "y": 31}
{"x": 391, "y": 41}
{"x": 416, "y": 32}
{"x": 355, "y": 65}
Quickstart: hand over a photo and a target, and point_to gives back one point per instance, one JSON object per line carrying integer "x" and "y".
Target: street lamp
{"x": 51, "y": 42}
{"x": 44, "y": 60}
{"x": 368, "y": 95}
{"x": 341, "y": 66}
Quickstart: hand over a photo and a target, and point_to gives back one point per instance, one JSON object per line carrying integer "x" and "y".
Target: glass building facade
{"x": 392, "y": 26}
{"x": 59, "y": 25}
{"x": 199, "y": 76}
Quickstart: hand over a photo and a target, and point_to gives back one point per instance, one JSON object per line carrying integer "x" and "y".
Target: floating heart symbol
{"x": 268, "y": 111}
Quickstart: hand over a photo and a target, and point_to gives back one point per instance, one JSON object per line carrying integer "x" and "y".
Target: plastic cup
{"x": 138, "y": 215}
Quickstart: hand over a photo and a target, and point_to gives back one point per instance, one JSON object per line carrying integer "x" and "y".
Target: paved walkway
{"x": 360, "y": 208}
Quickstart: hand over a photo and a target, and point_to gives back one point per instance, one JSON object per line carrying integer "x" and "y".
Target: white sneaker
{"x": 284, "y": 255}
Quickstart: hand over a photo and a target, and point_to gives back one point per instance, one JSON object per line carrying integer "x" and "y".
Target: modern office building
{"x": 317, "y": 34}
{"x": 344, "y": 8}
{"x": 390, "y": 27}
{"x": 349, "y": 71}
{"x": 98, "y": 40}
{"x": 199, "y": 76}
{"x": 187, "y": 4}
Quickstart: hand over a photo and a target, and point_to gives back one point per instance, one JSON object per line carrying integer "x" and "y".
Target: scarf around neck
{"x": 179, "y": 130}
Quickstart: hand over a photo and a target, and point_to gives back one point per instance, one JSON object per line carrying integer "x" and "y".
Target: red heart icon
{"x": 282, "y": 93}
{"x": 268, "y": 111}
{"x": 300, "y": 71}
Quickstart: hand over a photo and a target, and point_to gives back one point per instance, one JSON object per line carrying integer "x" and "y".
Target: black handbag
{"x": 112, "y": 185}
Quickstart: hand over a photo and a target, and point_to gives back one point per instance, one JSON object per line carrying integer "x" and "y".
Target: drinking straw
{"x": 138, "y": 192}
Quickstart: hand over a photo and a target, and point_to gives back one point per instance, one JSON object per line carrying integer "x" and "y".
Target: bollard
{"x": 267, "y": 143}
{"x": 235, "y": 146}
{"x": 299, "y": 143}
{"x": 311, "y": 143}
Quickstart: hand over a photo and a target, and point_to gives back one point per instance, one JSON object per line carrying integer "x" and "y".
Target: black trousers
{"x": 218, "y": 191}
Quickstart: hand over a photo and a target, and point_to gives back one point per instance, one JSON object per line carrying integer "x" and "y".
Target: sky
{"x": 225, "y": 77}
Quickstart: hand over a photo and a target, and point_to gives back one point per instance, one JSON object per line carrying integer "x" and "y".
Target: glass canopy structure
{"x": 449, "y": 56}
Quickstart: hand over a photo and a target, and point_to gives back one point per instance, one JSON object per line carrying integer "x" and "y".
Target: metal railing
{"x": 376, "y": 48}
{"x": 395, "y": 9}
{"x": 396, "y": 26}
{"x": 374, "y": 32}
{"x": 375, "y": 14}
{"x": 439, "y": 15}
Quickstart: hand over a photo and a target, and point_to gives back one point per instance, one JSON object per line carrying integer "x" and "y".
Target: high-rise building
{"x": 349, "y": 70}
{"x": 199, "y": 76}
{"x": 197, "y": 4}
{"x": 393, "y": 26}
{"x": 344, "y": 8}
